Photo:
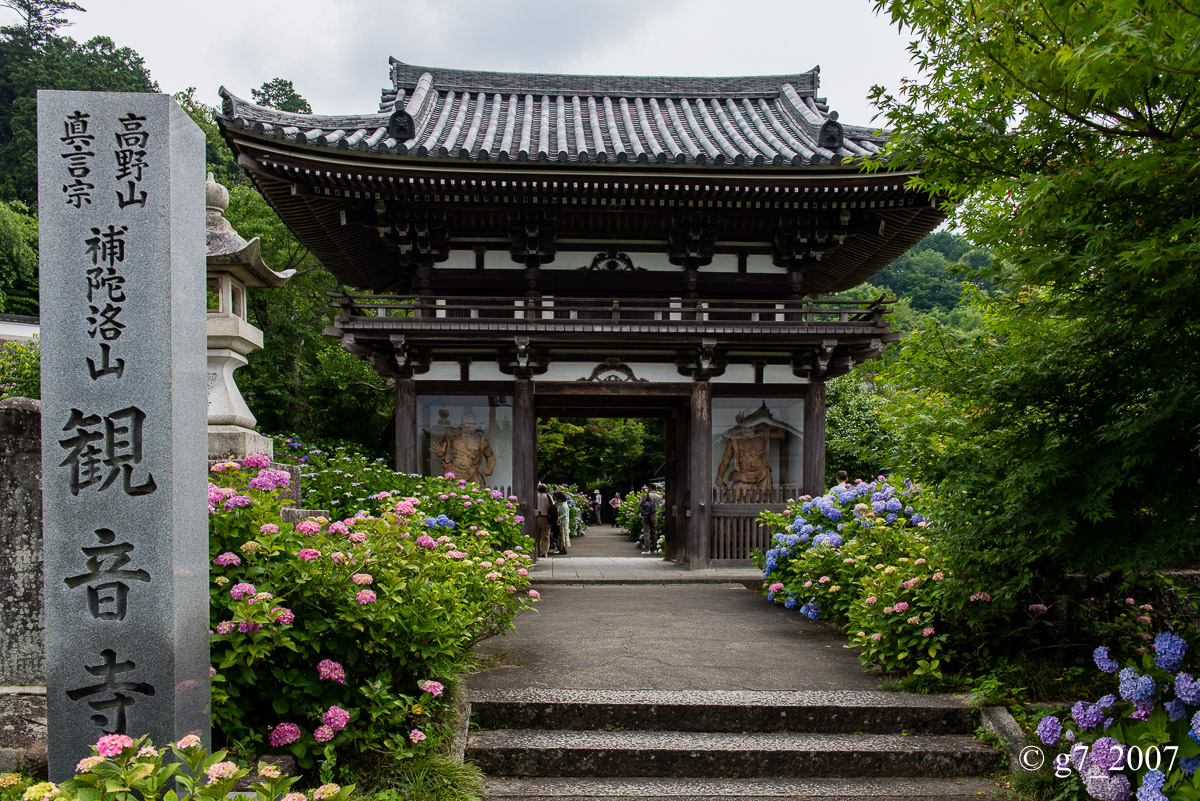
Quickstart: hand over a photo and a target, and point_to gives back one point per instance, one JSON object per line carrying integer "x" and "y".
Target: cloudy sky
{"x": 336, "y": 51}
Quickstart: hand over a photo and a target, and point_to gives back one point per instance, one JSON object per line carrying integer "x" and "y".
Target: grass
{"x": 433, "y": 778}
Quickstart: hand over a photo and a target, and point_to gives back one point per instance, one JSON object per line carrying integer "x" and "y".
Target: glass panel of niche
{"x": 758, "y": 448}
{"x": 467, "y": 435}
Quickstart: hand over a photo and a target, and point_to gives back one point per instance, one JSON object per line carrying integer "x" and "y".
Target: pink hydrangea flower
{"x": 416, "y": 736}
{"x": 284, "y": 734}
{"x": 776, "y": 587}
{"x": 405, "y": 508}
{"x": 432, "y": 687}
{"x": 338, "y": 528}
{"x": 358, "y": 538}
{"x": 190, "y": 741}
{"x": 522, "y": 571}
{"x": 225, "y": 627}
{"x": 325, "y": 791}
{"x": 871, "y": 601}
{"x": 877, "y": 636}
{"x": 308, "y": 527}
{"x": 900, "y": 607}
{"x": 938, "y": 576}
{"x": 338, "y": 557}
{"x": 212, "y": 671}
{"x": 331, "y": 671}
{"x": 323, "y": 734}
{"x": 362, "y": 579}
{"x": 111, "y": 745}
{"x": 365, "y": 597}
{"x": 255, "y": 460}
{"x": 534, "y": 594}
{"x": 449, "y": 475}
{"x": 295, "y": 797}
{"x": 426, "y": 541}
{"x": 1037, "y": 609}
{"x": 336, "y": 718}
{"x": 241, "y": 591}
{"x": 249, "y": 627}
{"x": 261, "y": 596}
{"x": 309, "y": 554}
{"x": 981, "y": 596}
{"x": 222, "y": 770}
{"x": 927, "y": 631}
{"x": 823, "y": 580}
{"x": 87, "y": 763}
{"x": 912, "y": 621}
{"x": 284, "y": 616}
{"x": 228, "y": 559}
{"x": 492, "y": 576}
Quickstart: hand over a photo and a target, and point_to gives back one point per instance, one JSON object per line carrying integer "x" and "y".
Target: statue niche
{"x": 746, "y": 462}
{"x": 465, "y": 451}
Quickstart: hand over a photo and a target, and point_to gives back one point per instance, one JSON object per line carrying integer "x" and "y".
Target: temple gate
{"x": 550, "y": 245}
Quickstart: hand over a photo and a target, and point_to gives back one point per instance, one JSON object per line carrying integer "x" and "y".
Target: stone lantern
{"x": 233, "y": 265}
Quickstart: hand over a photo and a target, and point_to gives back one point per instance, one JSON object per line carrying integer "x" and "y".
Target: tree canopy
{"x": 1067, "y": 434}
{"x": 34, "y": 56}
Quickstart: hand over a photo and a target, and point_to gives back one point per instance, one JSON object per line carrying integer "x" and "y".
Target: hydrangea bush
{"x": 121, "y": 768}
{"x": 866, "y": 559}
{"x": 334, "y": 639}
{"x": 1144, "y": 737}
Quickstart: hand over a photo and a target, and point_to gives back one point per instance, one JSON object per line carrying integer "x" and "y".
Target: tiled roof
{"x": 491, "y": 116}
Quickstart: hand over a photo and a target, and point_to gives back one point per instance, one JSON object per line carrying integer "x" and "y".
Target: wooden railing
{"x": 763, "y": 497}
{"x": 590, "y": 310}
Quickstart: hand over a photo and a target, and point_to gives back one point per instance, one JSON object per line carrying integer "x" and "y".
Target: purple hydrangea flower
{"x": 1135, "y": 687}
{"x": 1187, "y": 689}
{"x": 1049, "y": 730}
{"x": 1086, "y": 715}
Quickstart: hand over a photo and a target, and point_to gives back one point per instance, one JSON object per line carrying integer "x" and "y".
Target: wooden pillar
{"x": 700, "y": 481}
{"x": 671, "y": 495}
{"x": 524, "y": 454}
{"x": 814, "y": 438}
{"x": 406, "y": 425}
{"x": 679, "y": 476}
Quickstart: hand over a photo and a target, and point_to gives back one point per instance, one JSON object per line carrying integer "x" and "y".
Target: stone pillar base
{"x": 235, "y": 442}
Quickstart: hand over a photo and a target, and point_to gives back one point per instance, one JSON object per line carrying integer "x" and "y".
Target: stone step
{"x": 534, "y": 752}
{"x": 835, "y": 711}
{"x": 641, "y": 789}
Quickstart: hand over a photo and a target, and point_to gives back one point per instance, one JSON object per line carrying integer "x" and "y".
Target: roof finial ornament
{"x": 831, "y": 133}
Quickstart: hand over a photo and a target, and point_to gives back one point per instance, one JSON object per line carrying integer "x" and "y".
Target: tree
{"x": 42, "y": 17}
{"x": 280, "y": 94}
{"x": 1065, "y": 437}
{"x": 18, "y": 259}
{"x": 595, "y": 452}
{"x": 34, "y": 57}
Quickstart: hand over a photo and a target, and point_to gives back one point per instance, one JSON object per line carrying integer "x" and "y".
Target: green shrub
{"x": 20, "y": 370}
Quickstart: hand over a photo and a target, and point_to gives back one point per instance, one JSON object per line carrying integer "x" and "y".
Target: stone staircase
{"x": 562, "y": 745}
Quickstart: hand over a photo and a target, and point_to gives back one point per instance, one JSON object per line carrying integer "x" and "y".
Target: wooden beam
{"x": 524, "y": 455}
{"x": 406, "y": 425}
{"x": 699, "y": 529}
{"x": 814, "y": 439}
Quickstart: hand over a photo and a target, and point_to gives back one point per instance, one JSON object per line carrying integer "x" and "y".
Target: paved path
{"x": 606, "y": 555}
{"x": 659, "y": 630}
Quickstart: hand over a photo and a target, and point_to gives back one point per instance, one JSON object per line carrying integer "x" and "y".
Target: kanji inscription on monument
{"x": 121, "y": 225}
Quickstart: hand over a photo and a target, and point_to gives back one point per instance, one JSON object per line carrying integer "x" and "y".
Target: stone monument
{"x": 233, "y": 265}
{"x": 121, "y": 215}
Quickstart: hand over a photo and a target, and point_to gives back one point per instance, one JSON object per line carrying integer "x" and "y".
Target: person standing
{"x": 564, "y": 521}
{"x": 648, "y": 511}
{"x": 598, "y": 505}
{"x": 543, "y": 520}
{"x": 614, "y": 503}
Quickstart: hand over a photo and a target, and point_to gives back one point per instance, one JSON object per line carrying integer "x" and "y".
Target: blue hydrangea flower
{"x": 1049, "y": 730}
{"x": 1175, "y": 710}
{"x": 1151, "y": 789}
{"x": 908, "y": 510}
{"x": 894, "y": 505}
{"x": 1107, "y": 701}
{"x": 1169, "y": 651}
{"x": 792, "y": 539}
{"x": 812, "y": 610}
{"x": 916, "y": 518}
{"x": 1196, "y": 724}
{"x": 828, "y": 538}
{"x": 1188, "y": 765}
{"x": 807, "y": 529}
{"x": 1135, "y": 687}
{"x": 1100, "y": 657}
{"x": 804, "y": 538}
{"x": 790, "y": 603}
{"x": 879, "y": 507}
{"x": 798, "y": 523}
{"x": 1187, "y": 689}
{"x": 891, "y": 518}
{"x": 845, "y": 496}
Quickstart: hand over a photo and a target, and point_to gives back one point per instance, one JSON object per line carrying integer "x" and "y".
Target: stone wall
{"x": 22, "y": 661}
